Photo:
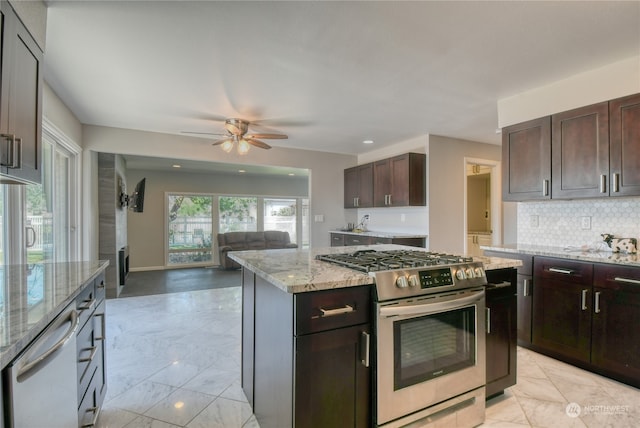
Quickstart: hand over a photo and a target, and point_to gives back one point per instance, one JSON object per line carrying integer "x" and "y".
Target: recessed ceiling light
{"x": 176, "y": 166}
{"x": 291, "y": 174}
{"x": 368, "y": 141}
{"x": 241, "y": 171}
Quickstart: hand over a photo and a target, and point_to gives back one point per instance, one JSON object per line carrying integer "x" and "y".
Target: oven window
{"x": 433, "y": 345}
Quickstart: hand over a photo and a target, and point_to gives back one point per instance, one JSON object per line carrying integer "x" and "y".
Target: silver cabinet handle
{"x": 337, "y": 311}
{"x": 561, "y": 270}
{"x": 627, "y": 280}
{"x": 603, "y": 183}
{"x": 525, "y": 288}
{"x": 14, "y": 151}
{"x": 583, "y": 302}
{"x": 94, "y": 421}
{"x": 73, "y": 318}
{"x": 545, "y": 187}
{"x": 103, "y": 330}
{"x": 87, "y": 304}
{"x": 596, "y": 304}
{"x": 615, "y": 182}
{"x": 93, "y": 350}
{"x": 366, "y": 343}
{"x": 389, "y": 199}
{"x": 488, "y": 311}
{"x": 30, "y": 231}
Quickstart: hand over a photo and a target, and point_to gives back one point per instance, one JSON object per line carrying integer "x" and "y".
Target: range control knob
{"x": 414, "y": 281}
{"x": 479, "y": 272}
{"x": 401, "y": 282}
{"x": 470, "y": 273}
{"x": 460, "y": 274}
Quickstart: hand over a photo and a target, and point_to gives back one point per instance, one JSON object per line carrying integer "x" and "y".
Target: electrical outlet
{"x": 534, "y": 221}
{"x": 585, "y": 223}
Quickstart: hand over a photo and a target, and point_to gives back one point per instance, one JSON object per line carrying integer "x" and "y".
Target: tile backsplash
{"x": 564, "y": 223}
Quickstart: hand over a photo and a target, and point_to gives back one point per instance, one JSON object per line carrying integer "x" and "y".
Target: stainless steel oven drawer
{"x": 330, "y": 309}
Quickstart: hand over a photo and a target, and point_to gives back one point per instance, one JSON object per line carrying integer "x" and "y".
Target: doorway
{"x": 482, "y": 211}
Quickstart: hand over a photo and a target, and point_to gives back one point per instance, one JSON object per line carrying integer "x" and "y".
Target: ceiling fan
{"x": 237, "y": 133}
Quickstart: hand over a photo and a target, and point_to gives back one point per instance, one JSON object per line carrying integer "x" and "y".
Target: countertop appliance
{"x": 41, "y": 383}
{"x": 430, "y": 336}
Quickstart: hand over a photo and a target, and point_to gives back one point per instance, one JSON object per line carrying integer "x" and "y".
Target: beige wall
{"x": 147, "y": 229}
{"x": 326, "y": 187}
{"x": 447, "y": 175}
{"x": 59, "y": 114}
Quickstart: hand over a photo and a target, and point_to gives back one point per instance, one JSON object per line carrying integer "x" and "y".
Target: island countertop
{"x": 32, "y": 295}
{"x": 297, "y": 270}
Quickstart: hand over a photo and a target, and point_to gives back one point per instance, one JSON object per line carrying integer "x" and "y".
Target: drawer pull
{"x": 93, "y": 350}
{"x": 94, "y": 421}
{"x": 626, "y": 280}
{"x": 338, "y": 311}
{"x": 103, "y": 333}
{"x": 545, "y": 187}
{"x": 596, "y": 308}
{"x": 366, "y": 344}
{"x": 603, "y": 183}
{"x": 525, "y": 288}
{"x": 488, "y": 315}
{"x": 583, "y": 303}
{"x": 87, "y": 304}
{"x": 561, "y": 270}
{"x": 615, "y": 183}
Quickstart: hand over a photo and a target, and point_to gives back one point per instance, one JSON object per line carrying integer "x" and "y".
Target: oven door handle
{"x": 428, "y": 308}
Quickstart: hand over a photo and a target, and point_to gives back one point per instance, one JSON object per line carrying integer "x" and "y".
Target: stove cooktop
{"x": 373, "y": 261}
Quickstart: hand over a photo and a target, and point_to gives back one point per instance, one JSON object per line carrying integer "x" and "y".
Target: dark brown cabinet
{"x": 400, "y": 181}
{"x": 20, "y": 102}
{"x": 624, "y": 146}
{"x": 501, "y": 334}
{"x": 305, "y": 356}
{"x": 342, "y": 239}
{"x": 615, "y": 345}
{"x": 358, "y": 186}
{"x": 526, "y": 160}
{"x": 562, "y": 307}
{"x": 580, "y": 152}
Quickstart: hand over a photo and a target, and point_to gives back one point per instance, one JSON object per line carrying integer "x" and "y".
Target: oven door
{"x": 429, "y": 349}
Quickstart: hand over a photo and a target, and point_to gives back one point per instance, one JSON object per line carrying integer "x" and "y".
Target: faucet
{"x": 362, "y": 225}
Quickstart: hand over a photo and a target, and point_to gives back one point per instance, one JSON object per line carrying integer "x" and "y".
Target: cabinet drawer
{"x": 86, "y": 354}
{"x": 379, "y": 240}
{"x": 337, "y": 240}
{"x": 89, "y": 408}
{"x": 100, "y": 287}
{"x": 86, "y": 303}
{"x": 356, "y": 240}
{"x": 563, "y": 270}
{"x": 625, "y": 278}
{"x": 329, "y": 309}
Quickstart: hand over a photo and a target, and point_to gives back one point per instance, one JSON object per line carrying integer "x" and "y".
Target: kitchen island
{"x": 297, "y": 363}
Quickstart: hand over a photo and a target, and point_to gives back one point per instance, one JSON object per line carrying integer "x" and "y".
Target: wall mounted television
{"x": 135, "y": 202}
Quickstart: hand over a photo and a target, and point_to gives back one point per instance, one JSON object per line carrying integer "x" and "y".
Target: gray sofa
{"x": 238, "y": 241}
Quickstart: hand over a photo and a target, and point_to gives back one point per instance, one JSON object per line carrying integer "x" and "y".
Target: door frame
{"x": 496, "y": 201}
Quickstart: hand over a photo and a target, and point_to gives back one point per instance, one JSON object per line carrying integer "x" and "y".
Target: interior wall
{"x": 59, "y": 114}
{"x": 326, "y": 188}
{"x": 446, "y": 159}
{"x": 147, "y": 229}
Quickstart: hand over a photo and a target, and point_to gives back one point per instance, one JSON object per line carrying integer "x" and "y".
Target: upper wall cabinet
{"x": 580, "y": 152}
{"x": 589, "y": 152}
{"x": 399, "y": 181}
{"x": 358, "y": 186}
{"x": 624, "y": 146}
{"x": 526, "y": 160}
{"x": 20, "y": 101}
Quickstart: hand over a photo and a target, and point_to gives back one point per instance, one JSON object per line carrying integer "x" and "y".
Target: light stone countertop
{"x": 379, "y": 234}
{"x": 572, "y": 253}
{"x": 33, "y": 295}
{"x": 297, "y": 270}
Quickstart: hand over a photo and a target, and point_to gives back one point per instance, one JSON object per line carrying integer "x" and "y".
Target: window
{"x": 190, "y": 229}
{"x": 237, "y": 214}
{"x": 280, "y": 214}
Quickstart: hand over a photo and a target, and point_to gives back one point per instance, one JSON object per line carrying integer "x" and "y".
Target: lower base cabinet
{"x": 301, "y": 366}
{"x": 501, "y": 335}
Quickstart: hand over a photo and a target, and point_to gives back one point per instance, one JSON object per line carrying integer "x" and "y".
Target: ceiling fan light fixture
{"x": 243, "y": 147}
{"x": 227, "y": 146}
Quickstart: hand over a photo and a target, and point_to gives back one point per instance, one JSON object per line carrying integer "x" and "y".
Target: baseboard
{"x": 146, "y": 268}
{"x": 151, "y": 268}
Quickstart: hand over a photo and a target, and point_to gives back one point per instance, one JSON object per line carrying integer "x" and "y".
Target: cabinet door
{"x": 21, "y": 105}
{"x": 351, "y": 187}
{"x": 357, "y": 240}
{"x": 337, "y": 240}
{"x": 332, "y": 382}
{"x": 525, "y": 307}
{"x": 580, "y": 152}
{"x": 526, "y": 160}
{"x": 501, "y": 344}
{"x": 365, "y": 186}
{"x": 562, "y": 307}
{"x": 624, "y": 141}
{"x": 616, "y": 316}
{"x": 381, "y": 182}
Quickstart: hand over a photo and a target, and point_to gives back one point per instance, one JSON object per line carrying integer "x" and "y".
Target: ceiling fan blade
{"x": 257, "y": 143}
{"x": 268, "y": 136}
{"x": 202, "y": 133}
{"x": 218, "y": 142}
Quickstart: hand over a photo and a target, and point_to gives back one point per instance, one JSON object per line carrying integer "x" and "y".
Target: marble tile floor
{"x": 173, "y": 360}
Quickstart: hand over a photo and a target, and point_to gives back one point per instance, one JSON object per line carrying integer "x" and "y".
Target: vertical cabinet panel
{"x": 358, "y": 186}
{"x": 526, "y": 160}
{"x": 580, "y": 152}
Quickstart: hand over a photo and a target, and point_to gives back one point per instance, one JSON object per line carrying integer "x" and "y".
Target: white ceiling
{"x": 328, "y": 74}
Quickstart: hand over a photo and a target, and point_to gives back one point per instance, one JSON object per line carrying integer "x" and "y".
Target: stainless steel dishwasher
{"x": 42, "y": 381}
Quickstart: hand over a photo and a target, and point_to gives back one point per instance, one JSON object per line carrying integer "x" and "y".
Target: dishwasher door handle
{"x": 25, "y": 370}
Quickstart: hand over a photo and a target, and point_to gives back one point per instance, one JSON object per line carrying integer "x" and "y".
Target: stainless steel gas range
{"x": 430, "y": 336}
